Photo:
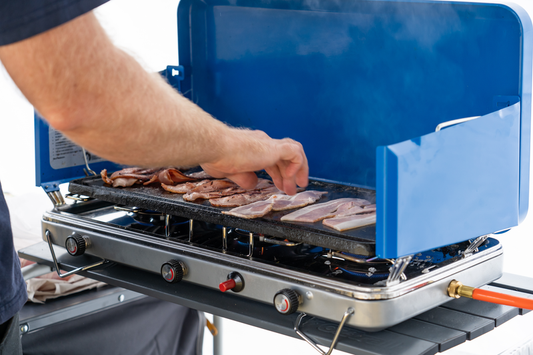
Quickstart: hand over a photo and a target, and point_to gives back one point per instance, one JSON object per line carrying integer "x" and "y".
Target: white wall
{"x": 147, "y": 30}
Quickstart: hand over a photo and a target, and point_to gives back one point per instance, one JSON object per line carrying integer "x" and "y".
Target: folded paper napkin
{"x": 40, "y": 289}
{"x": 26, "y": 211}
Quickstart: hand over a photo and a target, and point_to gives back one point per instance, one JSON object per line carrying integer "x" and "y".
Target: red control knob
{"x": 235, "y": 282}
{"x": 227, "y": 285}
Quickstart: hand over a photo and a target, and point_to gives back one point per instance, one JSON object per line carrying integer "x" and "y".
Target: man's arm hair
{"x": 102, "y": 99}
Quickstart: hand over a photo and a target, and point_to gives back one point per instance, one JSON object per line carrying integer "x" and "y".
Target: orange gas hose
{"x": 501, "y": 298}
{"x": 457, "y": 290}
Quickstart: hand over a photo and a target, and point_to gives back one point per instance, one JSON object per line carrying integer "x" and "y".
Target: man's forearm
{"x": 93, "y": 92}
{"x": 102, "y": 99}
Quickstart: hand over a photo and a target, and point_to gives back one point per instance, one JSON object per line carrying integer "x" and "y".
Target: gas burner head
{"x": 357, "y": 272}
{"x": 358, "y": 259}
{"x": 268, "y": 248}
{"x": 245, "y": 233}
{"x": 150, "y": 217}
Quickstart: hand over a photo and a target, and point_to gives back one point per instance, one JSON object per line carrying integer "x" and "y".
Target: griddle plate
{"x": 359, "y": 241}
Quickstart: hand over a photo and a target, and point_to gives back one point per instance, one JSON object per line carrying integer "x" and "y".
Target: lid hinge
{"x": 53, "y": 193}
{"x": 474, "y": 245}
{"x": 174, "y": 74}
{"x": 397, "y": 269}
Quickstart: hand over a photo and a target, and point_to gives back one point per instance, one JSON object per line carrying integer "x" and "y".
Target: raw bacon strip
{"x": 253, "y": 210}
{"x": 320, "y": 211}
{"x": 183, "y": 188}
{"x": 299, "y": 200}
{"x": 351, "y": 210}
{"x": 350, "y": 222}
{"x": 276, "y": 202}
{"x": 214, "y": 185}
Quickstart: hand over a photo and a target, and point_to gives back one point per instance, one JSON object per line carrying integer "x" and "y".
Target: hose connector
{"x": 456, "y": 290}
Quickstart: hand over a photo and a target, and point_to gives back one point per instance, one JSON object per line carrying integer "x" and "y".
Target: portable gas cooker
{"x": 291, "y": 274}
{"x": 422, "y": 107}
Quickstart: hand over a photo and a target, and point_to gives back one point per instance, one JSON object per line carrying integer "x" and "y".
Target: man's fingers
{"x": 289, "y": 186}
{"x": 247, "y": 180}
{"x": 274, "y": 173}
{"x": 293, "y": 165}
{"x": 302, "y": 177}
{"x": 284, "y": 160}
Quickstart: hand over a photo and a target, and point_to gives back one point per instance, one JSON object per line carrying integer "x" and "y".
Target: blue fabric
{"x": 12, "y": 287}
{"x": 21, "y": 19}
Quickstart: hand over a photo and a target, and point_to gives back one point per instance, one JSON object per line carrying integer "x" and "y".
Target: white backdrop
{"x": 147, "y": 31}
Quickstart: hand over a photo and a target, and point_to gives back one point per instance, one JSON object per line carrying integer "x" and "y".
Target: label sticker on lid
{"x": 65, "y": 154}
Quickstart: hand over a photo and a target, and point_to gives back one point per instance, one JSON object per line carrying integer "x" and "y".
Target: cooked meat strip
{"x": 172, "y": 176}
{"x": 104, "y": 176}
{"x": 320, "y": 211}
{"x": 133, "y": 176}
{"x": 154, "y": 178}
{"x": 350, "y": 222}
{"x": 130, "y": 176}
{"x": 124, "y": 182}
{"x": 253, "y": 210}
{"x": 299, "y": 200}
{"x": 134, "y": 171}
{"x": 221, "y": 188}
{"x": 125, "y": 171}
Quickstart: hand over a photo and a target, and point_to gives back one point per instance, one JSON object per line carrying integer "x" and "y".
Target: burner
{"x": 270, "y": 249}
{"x": 363, "y": 273}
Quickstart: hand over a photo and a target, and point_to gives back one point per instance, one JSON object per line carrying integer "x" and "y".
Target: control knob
{"x": 77, "y": 244}
{"x": 173, "y": 271}
{"x": 287, "y": 301}
{"x": 235, "y": 282}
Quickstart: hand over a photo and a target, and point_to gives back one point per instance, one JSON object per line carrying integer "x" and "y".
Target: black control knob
{"x": 173, "y": 271}
{"x": 76, "y": 244}
{"x": 287, "y": 301}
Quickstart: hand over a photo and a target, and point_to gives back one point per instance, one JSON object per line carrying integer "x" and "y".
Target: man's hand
{"x": 247, "y": 151}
